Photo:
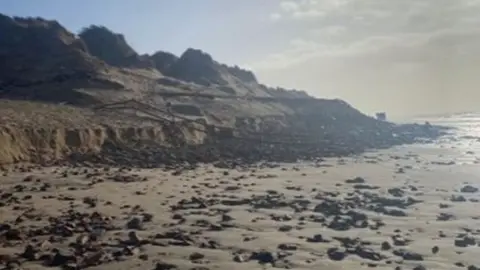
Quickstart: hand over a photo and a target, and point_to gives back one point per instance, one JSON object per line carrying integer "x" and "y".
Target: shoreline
{"x": 386, "y": 208}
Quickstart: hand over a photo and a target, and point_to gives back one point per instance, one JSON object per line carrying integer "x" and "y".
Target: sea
{"x": 462, "y": 143}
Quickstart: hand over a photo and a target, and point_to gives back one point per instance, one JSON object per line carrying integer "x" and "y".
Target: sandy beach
{"x": 410, "y": 207}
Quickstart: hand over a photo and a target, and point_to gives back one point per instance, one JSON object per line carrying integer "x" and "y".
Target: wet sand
{"x": 403, "y": 208}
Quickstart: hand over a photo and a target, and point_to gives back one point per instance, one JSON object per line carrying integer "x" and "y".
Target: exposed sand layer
{"x": 406, "y": 209}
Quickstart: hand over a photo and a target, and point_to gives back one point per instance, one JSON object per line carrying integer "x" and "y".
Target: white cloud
{"x": 275, "y": 16}
{"x": 289, "y": 6}
{"x": 401, "y": 29}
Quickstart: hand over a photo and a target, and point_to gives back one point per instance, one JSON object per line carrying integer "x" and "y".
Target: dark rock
{"x": 135, "y": 224}
{"x": 147, "y": 217}
{"x": 367, "y": 253}
{"x": 196, "y": 256}
{"x": 288, "y": 247}
{"x": 396, "y": 192}
{"x": 469, "y": 189}
{"x": 30, "y": 253}
{"x": 13, "y": 235}
{"x": 356, "y": 180}
{"x": 285, "y": 228}
{"x": 445, "y": 217}
{"x": 408, "y": 255}
{"x": 317, "y": 238}
{"x": 435, "y": 249}
{"x": 458, "y": 198}
{"x": 336, "y": 254}
{"x": 465, "y": 241}
{"x": 92, "y": 202}
{"x": 60, "y": 259}
{"x": 263, "y": 257}
{"x": 238, "y": 258}
{"x": 164, "y": 266}
{"x": 386, "y": 245}
{"x": 364, "y": 186}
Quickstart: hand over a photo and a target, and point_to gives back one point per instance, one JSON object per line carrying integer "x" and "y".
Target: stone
{"x": 408, "y": 255}
{"x": 263, "y": 257}
{"x": 289, "y": 247}
{"x": 196, "y": 256}
{"x": 164, "y": 266}
{"x": 396, "y": 192}
{"x": 386, "y": 245}
{"x": 317, "y": 238}
{"x": 238, "y": 258}
{"x": 135, "y": 224}
{"x": 465, "y": 241}
{"x": 336, "y": 254}
{"x": 469, "y": 189}
{"x": 30, "y": 253}
{"x": 356, "y": 180}
{"x": 90, "y": 201}
{"x": 285, "y": 228}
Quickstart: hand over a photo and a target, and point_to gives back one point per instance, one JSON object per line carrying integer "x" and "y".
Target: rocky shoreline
{"x": 363, "y": 211}
{"x": 232, "y": 152}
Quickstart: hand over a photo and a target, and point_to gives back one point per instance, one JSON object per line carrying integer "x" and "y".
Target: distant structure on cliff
{"x": 381, "y": 116}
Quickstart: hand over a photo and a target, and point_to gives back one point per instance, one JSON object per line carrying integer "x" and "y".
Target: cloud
{"x": 382, "y": 31}
{"x": 289, "y": 6}
{"x": 275, "y": 16}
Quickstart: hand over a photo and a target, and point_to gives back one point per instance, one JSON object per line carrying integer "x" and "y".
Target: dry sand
{"x": 274, "y": 215}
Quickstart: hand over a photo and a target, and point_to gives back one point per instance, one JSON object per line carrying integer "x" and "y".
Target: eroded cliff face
{"x": 50, "y": 145}
{"x": 42, "y": 62}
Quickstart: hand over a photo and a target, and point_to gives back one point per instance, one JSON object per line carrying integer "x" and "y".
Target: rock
{"x": 164, "y": 266}
{"x": 458, "y": 198}
{"x": 143, "y": 257}
{"x": 340, "y": 224}
{"x": 419, "y": 267}
{"x": 473, "y": 267}
{"x": 92, "y": 202}
{"x": 196, "y": 256}
{"x": 356, "y": 180}
{"x": 435, "y": 249}
{"x": 386, "y": 245}
{"x": 317, "y": 238}
{"x": 30, "y": 253}
{"x": 60, "y": 258}
{"x": 336, "y": 254}
{"x": 135, "y": 224}
{"x": 289, "y": 247}
{"x": 14, "y": 235}
{"x": 364, "y": 186}
{"x": 400, "y": 241}
{"x": 238, "y": 258}
{"x": 465, "y": 241}
{"x": 367, "y": 253}
{"x": 469, "y": 189}
{"x": 263, "y": 257}
{"x": 147, "y": 217}
{"x": 445, "y": 217}
{"x": 408, "y": 255}
{"x": 396, "y": 192}
{"x": 226, "y": 218}
{"x": 285, "y": 228}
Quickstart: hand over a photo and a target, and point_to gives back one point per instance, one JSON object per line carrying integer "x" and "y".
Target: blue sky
{"x": 217, "y": 26}
{"x": 402, "y": 56}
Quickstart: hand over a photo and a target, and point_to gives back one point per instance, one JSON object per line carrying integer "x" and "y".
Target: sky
{"x": 404, "y": 57}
